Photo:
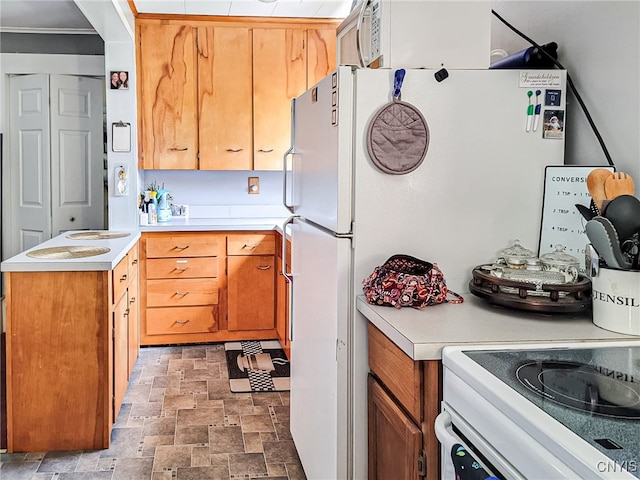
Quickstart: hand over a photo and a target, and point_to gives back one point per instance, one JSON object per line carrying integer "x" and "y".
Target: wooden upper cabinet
{"x": 225, "y": 98}
{"x": 321, "y": 56}
{"x": 167, "y": 74}
{"x": 216, "y": 94}
{"x": 279, "y": 75}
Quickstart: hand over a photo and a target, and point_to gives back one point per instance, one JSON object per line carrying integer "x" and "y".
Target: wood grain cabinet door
{"x": 225, "y": 98}
{"x": 321, "y": 57}
{"x": 168, "y": 89}
{"x": 251, "y": 292}
{"x": 120, "y": 353}
{"x": 395, "y": 442}
{"x": 133, "y": 345}
{"x": 279, "y": 75}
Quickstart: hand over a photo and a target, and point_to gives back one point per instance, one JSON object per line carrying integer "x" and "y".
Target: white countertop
{"x": 118, "y": 247}
{"x": 180, "y": 224}
{"x": 422, "y": 334}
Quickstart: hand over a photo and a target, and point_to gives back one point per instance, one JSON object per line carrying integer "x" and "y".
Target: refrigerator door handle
{"x": 287, "y": 275}
{"x": 290, "y": 151}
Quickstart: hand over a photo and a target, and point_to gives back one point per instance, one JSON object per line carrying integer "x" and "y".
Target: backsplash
{"x": 223, "y": 188}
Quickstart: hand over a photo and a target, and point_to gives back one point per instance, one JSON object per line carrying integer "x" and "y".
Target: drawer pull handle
{"x": 126, "y": 312}
{"x": 132, "y": 301}
{"x": 264, "y": 267}
{"x": 135, "y": 262}
{"x": 265, "y": 150}
{"x": 182, "y": 294}
{"x": 178, "y": 247}
{"x": 123, "y": 277}
{"x": 234, "y": 150}
{"x": 182, "y": 322}
{"x": 246, "y": 245}
{"x": 181, "y": 269}
{"x": 178, "y": 149}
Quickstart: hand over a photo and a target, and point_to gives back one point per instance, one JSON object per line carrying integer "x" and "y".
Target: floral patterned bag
{"x": 405, "y": 281}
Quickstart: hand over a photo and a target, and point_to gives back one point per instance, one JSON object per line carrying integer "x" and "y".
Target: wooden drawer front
{"x": 401, "y": 375}
{"x": 120, "y": 279}
{"x": 132, "y": 258}
{"x": 177, "y": 320}
{"x": 182, "y": 246}
{"x": 255, "y": 244}
{"x": 176, "y": 293}
{"x": 182, "y": 267}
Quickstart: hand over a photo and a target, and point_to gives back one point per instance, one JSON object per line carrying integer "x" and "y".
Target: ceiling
{"x": 63, "y": 16}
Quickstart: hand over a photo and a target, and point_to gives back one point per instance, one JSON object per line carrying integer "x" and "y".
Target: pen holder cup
{"x": 616, "y": 300}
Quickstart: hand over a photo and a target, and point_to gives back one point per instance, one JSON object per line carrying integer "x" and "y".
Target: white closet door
{"x": 56, "y": 175}
{"x": 30, "y": 162}
{"x": 77, "y": 151}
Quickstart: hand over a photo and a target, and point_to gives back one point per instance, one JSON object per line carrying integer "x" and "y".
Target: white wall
{"x": 121, "y": 107}
{"x": 599, "y": 45}
{"x": 217, "y": 188}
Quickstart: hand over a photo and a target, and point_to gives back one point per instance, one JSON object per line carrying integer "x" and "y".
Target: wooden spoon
{"x": 595, "y": 185}
{"x": 619, "y": 183}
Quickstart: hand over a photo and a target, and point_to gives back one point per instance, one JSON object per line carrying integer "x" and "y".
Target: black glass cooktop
{"x": 591, "y": 388}
{"x": 595, "y": 392}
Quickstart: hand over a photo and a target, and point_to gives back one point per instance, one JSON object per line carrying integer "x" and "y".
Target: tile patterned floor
{"x": 180, "y": 421}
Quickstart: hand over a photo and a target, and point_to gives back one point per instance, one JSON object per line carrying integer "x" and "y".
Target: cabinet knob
{"x": 123, "y": 277}
{"x": 182, "y": 322}
{"x": 264, "y": 267}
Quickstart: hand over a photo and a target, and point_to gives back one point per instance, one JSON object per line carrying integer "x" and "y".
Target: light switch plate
{"x": 254, "y": 185}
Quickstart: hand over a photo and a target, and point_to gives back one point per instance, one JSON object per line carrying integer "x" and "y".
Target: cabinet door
{"x": 168, "y": 89}
{"x": 251, "y": 292}
{"x": 133, "y": 343}
{"x": 321, "y": 57}
{"x": 279, "y": 75}
{"x": 225, "y": 98}
{"x": 120, "y": 353}
{"x": 395, "y": 442}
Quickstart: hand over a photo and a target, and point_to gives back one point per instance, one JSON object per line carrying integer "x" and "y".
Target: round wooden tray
{"x": 547, "y": 298}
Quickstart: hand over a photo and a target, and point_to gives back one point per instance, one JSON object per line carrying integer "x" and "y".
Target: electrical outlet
{"x": 254, "y": 185}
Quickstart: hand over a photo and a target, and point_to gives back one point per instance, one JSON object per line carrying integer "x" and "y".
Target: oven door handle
{"x": 443, "y": 427}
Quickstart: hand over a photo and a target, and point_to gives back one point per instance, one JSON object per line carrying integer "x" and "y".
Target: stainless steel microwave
{"x": 416, "y": 34}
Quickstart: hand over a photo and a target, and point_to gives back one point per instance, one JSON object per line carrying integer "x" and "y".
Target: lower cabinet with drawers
{"x": 207, "y": 286}
{"x": 180, "y": 288}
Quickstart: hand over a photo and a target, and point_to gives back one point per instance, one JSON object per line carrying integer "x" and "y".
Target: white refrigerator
{"x": 479, "y": 188}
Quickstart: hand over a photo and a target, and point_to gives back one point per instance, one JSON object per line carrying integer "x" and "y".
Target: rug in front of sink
{"x": 257, "y": 366}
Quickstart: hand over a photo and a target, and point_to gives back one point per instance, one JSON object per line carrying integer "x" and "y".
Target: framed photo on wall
{"x": 119, "y": 80}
